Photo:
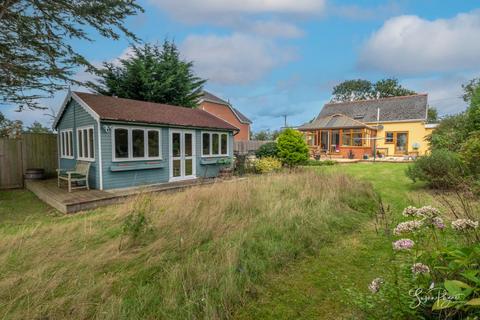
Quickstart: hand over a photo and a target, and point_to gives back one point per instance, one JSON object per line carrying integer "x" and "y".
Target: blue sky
{"x": 276, "y": 57}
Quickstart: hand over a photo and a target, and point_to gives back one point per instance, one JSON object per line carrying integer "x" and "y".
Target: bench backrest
{"x": 82, "y": 167}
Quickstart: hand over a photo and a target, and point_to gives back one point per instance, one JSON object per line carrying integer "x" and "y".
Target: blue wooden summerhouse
{"x": 131, "y": 143}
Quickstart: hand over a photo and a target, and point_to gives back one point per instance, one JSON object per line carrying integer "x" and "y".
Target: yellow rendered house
{"x": 387, "y": 127}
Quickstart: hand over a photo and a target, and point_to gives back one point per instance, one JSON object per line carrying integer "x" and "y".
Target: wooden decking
{"x": 80, "y": 200}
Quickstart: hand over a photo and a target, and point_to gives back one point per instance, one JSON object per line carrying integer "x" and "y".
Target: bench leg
{"x": 86, "y": 182}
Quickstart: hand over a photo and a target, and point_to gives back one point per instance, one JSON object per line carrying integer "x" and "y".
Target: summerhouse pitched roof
{"x": 207, "y": 96}
{"x": 336, "y": 121}
{"x": 405, "y": 108}
{"x": 128, "y": 110}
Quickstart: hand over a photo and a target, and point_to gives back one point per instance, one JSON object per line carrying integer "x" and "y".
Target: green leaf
{"x": 458, "y": 289}
{"x": 441, "y": 304}
{"x": 474, "y": 302}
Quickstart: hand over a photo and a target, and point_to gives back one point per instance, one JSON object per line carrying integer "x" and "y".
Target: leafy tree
{"x": 10, "y": 128}
{"x": 37, "y": 127}
{"x": 292, "y": 148}
{"x": 473, "y": 111}
{"x": 390, "y": 88}
{"x": 432, "y": 115}
{"x": 152, "y": 74}
{"x": 450, "y": 133}
{"x": 262, "y": 135}
{"x": 469, "y": 88}
{"x": 470, "y": 153}
{"x": 360, "y": 89}
{"x": 36, "y": 55}
{"x": 269, "y": 149}
{"x": 352, "y": 90}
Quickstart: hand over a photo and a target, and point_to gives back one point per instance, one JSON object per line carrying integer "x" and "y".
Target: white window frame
{"x": 89, "y": 158}
{"x": 130, "y": 143}
{"x": 68, "y": 134}
{"x": 210, "y": 155}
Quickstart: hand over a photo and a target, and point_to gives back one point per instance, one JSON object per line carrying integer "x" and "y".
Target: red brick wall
{"x": 357, "y": 151}
{"x": 225, "y": 113}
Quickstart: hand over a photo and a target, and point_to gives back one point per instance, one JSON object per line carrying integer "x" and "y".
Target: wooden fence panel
{"x": 40, "y": 151}
{"x": 11, "y": 170}
{"x": 247, "y": 146}
{"x": 32, "y": 150}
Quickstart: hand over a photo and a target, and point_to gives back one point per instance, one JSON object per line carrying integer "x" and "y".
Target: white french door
{"x": 182, "y": 155}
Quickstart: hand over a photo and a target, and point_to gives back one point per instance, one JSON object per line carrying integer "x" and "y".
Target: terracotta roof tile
{"x": 119, "y": 109}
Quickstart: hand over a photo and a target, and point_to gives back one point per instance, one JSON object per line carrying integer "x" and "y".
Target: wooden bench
{"x": 79, "y": 174}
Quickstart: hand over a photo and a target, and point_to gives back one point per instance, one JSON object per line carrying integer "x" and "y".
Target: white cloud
{"x": 412, "y": 45}
{"x": 444, "y": 93}
{"x": 272, "y": 28}
{"x": 189, "y": 10}
{"x": 234, "y": 59}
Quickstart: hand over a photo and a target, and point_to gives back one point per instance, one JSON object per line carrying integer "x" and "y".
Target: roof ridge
{"x": 379, "y": 99}
{"x": 136, "y": 100}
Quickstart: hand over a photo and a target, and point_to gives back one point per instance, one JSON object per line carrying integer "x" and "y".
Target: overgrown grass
{"x": 207, "y": 251}
{"x": 322, "y": 286}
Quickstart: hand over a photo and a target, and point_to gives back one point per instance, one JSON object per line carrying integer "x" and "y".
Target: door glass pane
{"x": 215, "y": 143}
{"x": 121, "y": 143}
{"x": 153, "y": 144}
{"x": 176, "y": 168}
{"x": 401, "y": 142}
{"x": 188, "y": 167}
{"x": 324, "y": 140}
{"x": 188, "y": 145}
{"x": 206, "y": 143}
{"x": 92, "y": 145}
{"x": 80, "y": 143}
{"x": 138, "y": 143}
{"x": 224, "y": 143}
{"x": 176, "y": 144}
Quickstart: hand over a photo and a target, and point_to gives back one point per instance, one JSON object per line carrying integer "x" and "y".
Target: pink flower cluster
{"x": 464, "y": 225}
{"x": 410, "y": 211}
{"x": 407, "y": 227}
{"x": 438, "y": 222}
{"x": 428, "y": 212}
{"x": 403, "y": 244}
{"x": 419, "y": 268}
{"x": 374, "y": 286}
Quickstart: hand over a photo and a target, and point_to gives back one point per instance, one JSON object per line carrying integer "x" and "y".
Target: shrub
{"x": 315, "y": 163}
{"x": 434, "y": 270}
{"x": 267, "y": 165}
{"x": 470, "y": 154}
{"x": 292, "y": 148}
{"x": 450, "y": 133}
{"x": 267, "y": 150}
{"x": 442, "y": 169}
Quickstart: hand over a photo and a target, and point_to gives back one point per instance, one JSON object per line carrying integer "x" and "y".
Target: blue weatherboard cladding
{"x": 131, "y": 178}
{"x": 74, "y": 117}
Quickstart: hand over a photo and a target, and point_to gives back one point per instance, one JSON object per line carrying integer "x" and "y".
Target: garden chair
{"x": 79, "y": 174}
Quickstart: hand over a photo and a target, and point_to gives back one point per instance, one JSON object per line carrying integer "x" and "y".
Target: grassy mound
{"x": 197, "y": 254}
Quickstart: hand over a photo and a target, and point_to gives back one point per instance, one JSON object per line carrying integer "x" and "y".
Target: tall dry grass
{"x": 205, "y": 251}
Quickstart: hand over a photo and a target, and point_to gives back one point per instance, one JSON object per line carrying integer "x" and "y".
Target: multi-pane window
{"x": 85, "y": 144}
{"x": 66, "y": 145}
{"x": 389, "y": 137}
{"x": 354, "y": 137}
{"x": 136, "y": 143}
{"x": 214, "y": 144}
